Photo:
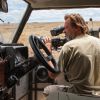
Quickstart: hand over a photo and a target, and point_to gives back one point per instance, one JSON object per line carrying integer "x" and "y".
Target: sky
{"x": 16, "y": 9}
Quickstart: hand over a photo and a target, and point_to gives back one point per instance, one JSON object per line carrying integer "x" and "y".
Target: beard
{"x": 70, "y": 36}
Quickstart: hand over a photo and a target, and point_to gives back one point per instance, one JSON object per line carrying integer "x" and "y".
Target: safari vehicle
{"x": 20, "y": 76}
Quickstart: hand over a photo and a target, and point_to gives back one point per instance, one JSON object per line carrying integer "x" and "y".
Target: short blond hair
{"x": 77, "y": 20}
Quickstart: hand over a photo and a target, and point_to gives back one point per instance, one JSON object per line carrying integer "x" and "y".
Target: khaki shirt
{"x": 80, "y": 60}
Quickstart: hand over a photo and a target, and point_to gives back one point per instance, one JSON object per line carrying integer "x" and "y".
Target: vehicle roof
{"x": 48, "y": 4}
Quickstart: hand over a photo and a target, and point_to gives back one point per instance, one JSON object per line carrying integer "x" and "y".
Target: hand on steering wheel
{"x": 35, "y": 43}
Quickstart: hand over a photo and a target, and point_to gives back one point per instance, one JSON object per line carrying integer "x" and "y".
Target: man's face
{"x": 69, "y": 30}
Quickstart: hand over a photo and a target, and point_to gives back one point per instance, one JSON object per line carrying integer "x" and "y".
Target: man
{"x": 79, "y": 59}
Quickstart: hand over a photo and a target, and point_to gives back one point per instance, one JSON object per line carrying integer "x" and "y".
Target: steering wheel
{"x": 36, "y": 43}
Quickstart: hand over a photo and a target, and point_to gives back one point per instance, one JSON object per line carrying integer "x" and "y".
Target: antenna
{"x": 91, "y": 20}
{"x": 2, "y": 20}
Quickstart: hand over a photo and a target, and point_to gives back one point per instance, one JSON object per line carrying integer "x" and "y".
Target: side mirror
{"x": 3, "y": 6}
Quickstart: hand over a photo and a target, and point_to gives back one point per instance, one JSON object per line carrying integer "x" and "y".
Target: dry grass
{"x": 39, "y": 29}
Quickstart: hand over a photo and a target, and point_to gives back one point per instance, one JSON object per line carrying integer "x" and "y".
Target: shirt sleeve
{"x": 64, "y": 58}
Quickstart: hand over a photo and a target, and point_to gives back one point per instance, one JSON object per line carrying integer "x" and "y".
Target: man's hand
{"x": 52, "y": 75}
{"x": 48, "y": 44}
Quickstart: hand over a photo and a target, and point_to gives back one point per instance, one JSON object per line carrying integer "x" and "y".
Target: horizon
{"x": 16, "y": 10}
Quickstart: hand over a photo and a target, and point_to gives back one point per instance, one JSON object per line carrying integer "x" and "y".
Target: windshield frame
{"x": 22, "y": 24}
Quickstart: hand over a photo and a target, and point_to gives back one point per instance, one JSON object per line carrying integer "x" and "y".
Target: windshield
{"x": 40, "y": 22}
{"x": 10, "y": 21}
